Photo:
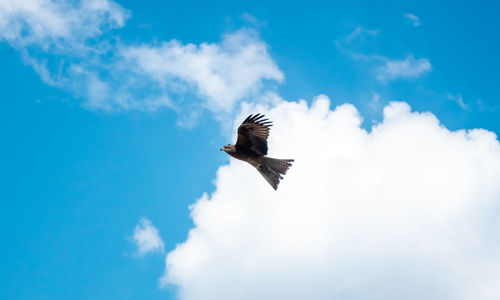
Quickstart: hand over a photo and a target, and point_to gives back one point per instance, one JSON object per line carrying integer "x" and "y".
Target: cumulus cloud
{"x": 221, "y": 73}
{"x": 407, "y": 210}
{"x": 414, "y": 19}
{"x": 403, "y": 68}
{"x": 146, "y": 238}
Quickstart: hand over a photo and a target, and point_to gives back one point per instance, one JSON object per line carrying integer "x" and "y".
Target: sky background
{"x": 77, "y": 177}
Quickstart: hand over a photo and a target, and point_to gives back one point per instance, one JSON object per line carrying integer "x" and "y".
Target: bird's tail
{"x": 272, "y": 169}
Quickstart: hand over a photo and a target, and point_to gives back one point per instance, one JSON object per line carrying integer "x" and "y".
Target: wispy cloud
{"x": 359, "y": 33}
{"x": 403, "y": 68}
{"x": 375, "y": 104}
{"x": 485, "y": 107}
{"x": 254, "y": 21}
{"x": 413, "y": 18}
{"x": 458, "y": 100}
{"x": 350, "y": 44}
{"x": 222, "y": 74}
{"x": 72, "y": 46}
{"x": 409, "y": 202}
{"x": 386, "y": 68}
{"x": 57, "y": 25}
{"x": 146, "y": 238}
{"x": 66, "y": 42}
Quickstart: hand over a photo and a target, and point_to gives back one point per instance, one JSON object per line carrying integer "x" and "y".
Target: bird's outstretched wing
{"x": 253, "y": 133}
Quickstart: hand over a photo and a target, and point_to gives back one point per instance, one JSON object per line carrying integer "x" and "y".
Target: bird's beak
{"x": 220, "y": 149}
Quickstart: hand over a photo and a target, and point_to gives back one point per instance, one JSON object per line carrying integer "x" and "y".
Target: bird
{"x": 251, "y": 147}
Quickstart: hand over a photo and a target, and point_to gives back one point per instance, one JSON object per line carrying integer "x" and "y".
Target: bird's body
{"x": 251, "y": 146}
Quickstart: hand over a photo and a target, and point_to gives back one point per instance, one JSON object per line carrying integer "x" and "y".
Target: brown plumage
{"x": 251, "y": 146}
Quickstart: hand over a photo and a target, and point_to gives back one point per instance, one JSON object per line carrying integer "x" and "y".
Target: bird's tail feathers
{"x": 272, "y": 170}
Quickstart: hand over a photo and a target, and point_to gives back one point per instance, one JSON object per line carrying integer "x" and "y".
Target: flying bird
{"x": 251, "y": 146}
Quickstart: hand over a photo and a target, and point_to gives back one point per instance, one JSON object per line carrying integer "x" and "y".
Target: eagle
{"x": 251, "y": 146}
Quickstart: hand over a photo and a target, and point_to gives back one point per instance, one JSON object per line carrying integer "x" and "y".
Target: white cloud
{"x": 70, "y": 44}
{"x": 403, "y": 68}
{"x": 65, "y": 42}
{"x": 386, "y": 69}
{"x": 221, "y": 73}
{"x": 146, "y": 238}
{"x": 375, "y": 102}
{"x": 458, "y": 100}
{"x": 359, "y": 33}
{"x": 56, "y": 24}
{"x": 409, "y": 210}
{"x": 414, "y": 19}
{"x": 352, "y": 43}
{"x": 254, "y": 21}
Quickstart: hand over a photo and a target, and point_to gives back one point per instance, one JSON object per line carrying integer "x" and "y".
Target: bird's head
{"x": 228, "y": 148}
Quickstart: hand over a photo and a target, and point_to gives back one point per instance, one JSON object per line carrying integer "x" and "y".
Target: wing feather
{"x": 253, "y": 134}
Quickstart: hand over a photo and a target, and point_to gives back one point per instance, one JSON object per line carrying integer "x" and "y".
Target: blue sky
{"x": 77, "y": 177}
